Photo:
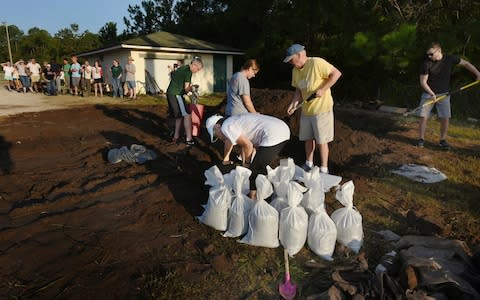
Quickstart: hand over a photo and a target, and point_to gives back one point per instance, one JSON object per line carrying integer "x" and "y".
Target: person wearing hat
{"x": 260, "y": 137}
{"x": 312, "y": 78}
{"x": 180, "y": 84}
{"x": 22, "y": 73}
{"x": 130, "y": 78}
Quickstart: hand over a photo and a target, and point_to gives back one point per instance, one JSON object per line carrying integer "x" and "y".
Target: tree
{"x": 143, "y": 20}
{"x": 108, "y": 33}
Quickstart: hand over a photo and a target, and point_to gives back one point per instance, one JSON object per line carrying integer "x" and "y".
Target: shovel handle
{"x": 287, "y": 267}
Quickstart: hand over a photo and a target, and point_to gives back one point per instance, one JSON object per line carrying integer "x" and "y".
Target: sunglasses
{"x": 430, "y": 54}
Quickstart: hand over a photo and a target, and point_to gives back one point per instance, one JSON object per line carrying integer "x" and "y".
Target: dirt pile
{"x": 74, "y": 226}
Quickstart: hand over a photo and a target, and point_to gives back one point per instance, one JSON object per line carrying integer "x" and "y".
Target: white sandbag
{"x": 347, "y": 219}
{"x": 280, "y": 177}
{"x": 214, "y": 176}
{"x": 293, "y": 220}
{"x": 322, "y": 234}
{"x": 314, "y": 198}
{"x": 328, "y": 180}
{"x": 219, "y": 200}
{"x": 216, "y": 211}
{"x": 263, "y": 218}
{"x": 279, "y": 203}
{"x": 241, "y": 204}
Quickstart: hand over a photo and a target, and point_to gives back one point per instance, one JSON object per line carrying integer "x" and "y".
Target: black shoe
{"x": 444, "y": 145}
{"x": 190, "y": 143}
{"x": 421, "y": 143}
{"x": 306, "y": 168}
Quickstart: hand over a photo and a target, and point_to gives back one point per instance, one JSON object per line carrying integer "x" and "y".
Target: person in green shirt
{"x": 67, "y": 88}
{"x": 180, "y": 84}
{"x": 117, "y": 72}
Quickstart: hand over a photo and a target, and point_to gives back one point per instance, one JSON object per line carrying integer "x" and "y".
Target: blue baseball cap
{"x": 292, "y": 50}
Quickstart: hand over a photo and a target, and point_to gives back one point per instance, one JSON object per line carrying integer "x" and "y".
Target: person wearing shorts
{"x": 75, "y": 71}
{"x": 35, "y": 69}
{"x": 180, "y": 84}
{"x": 435, "y": 74}
{"x": 130, "y": 78}
{"x": 312, "y": 78}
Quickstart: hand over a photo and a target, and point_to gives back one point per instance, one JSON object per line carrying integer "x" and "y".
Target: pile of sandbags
{"x": 295, "y": 215}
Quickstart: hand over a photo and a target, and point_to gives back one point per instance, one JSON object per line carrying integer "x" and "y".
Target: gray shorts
{"x": 442, "y": 107}
{"x": 318, "y": 127}
{"x": 75, "y": 81}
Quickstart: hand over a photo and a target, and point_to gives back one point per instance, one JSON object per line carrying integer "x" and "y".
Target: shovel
{"x": 287, "y": 289}
{"x": 440, "y": 98}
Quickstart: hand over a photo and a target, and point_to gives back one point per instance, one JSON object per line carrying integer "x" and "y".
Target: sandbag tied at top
{"x": 293, "y": 220}
{"x": 314, "y": 198}
{"x": 263, "y": 218}
{"x": 280, "y": 177}
{"x": 347, "y": 219}
{"x": 219, "y": 200}
{"x": 241, "y": 203}
{"x": 322, "y": 234}
{"x": 214, "y": 176}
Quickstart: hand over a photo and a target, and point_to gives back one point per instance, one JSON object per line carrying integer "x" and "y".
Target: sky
{"x": 54, "y": 15}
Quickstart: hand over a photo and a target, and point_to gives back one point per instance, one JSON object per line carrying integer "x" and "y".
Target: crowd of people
{"x": 71, "y": 77}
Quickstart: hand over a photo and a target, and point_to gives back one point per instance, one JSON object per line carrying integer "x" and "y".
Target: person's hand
{"x": 227, "y": 162}
{"x": 319, "y": 93}
{"x": 292, "y": 107}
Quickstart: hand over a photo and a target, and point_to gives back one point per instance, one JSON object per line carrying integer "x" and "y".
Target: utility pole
{"x": 8, "y": 43}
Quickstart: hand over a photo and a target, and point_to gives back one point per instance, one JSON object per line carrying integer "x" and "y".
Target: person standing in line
{"x": 87, "y": 79}
{"x": 312, "y": 78}
{"x": 130, "y": 78}
{"x": 16, "y": 78}
{"x": 180, "y": 84}
{"x": 117, "y": 72}
{"x": 435, "y": 76}
{"x": 56, "y": 68}
{"x": 238, "y": 93}
{"x": 66, "y": 77}
{"x": 48, "y": 75}
{"x": 35, "y": 69}
{"x": 22, "y": 73}
{"x": 75, "y": 69}
{"x": 97, "y": 74}
{"x": 8, "y": 75}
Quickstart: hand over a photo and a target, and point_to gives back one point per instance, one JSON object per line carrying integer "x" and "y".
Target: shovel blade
{"x": 287, "y": 290}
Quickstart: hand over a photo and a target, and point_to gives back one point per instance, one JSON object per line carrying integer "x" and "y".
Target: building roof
{"x": 165, "y": 41}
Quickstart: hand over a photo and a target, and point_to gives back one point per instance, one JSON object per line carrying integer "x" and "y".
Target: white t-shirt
{"x": 261, "y": 130}
{"x": 8, "y": 71}
{"x": 34, "y": 68}
{"x": 87, "y": 71}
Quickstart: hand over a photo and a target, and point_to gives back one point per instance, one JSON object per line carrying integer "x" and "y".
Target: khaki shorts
{"x": 318, "y": 127}
{"x": 35, "y": 78}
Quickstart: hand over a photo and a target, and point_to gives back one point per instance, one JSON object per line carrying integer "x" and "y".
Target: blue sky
{"x": 53, "y": 15}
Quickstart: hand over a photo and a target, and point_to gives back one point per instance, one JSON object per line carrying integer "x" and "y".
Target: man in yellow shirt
{"x": 312, "y": 78}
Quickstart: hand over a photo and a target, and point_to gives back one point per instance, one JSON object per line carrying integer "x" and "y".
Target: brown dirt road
{"x": 73, "y": 226}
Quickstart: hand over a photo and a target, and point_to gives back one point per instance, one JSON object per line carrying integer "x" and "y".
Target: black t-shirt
{"x": 439, "y": 72}
{"x": 49, "y": 73}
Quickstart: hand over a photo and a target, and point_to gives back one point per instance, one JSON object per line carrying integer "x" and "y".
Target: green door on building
{"x": 219, "y": 73}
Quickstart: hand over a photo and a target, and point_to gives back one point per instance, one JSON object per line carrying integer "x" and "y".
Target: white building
{"x": 156, "y": 52}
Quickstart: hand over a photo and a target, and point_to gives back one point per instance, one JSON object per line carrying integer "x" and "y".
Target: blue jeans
{"x": 117, "y": 87}
{"x": 51, "y": 88}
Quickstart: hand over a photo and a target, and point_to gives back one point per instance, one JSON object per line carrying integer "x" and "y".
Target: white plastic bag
{"x": 347, "y": 219}
{"x": 219, "y": 200}
{"x": 241, "y": 204}
{"x": 322, "y": 234}
{"x": 263, "y": 218}
{"x": 293, "y": 220}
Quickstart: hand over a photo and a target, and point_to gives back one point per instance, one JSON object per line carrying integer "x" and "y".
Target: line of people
{"x": 70, "y": 78}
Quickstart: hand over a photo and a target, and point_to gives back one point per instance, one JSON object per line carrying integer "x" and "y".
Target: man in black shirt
{"x": 435, "y": 80}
